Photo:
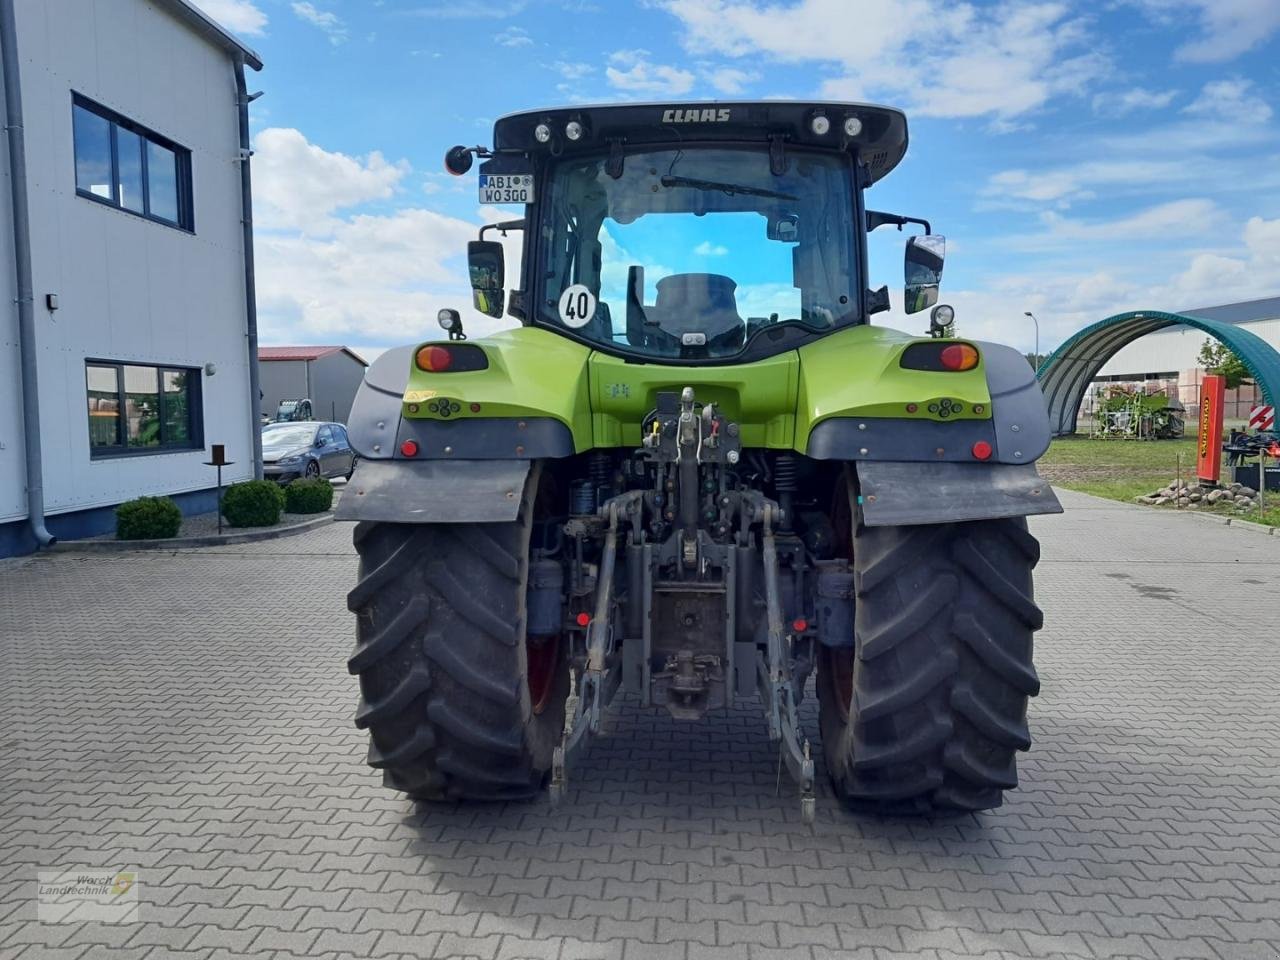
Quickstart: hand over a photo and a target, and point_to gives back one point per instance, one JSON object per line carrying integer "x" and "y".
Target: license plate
{"x": 506, "y": 188}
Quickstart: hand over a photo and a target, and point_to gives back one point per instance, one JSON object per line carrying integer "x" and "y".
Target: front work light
{"x": 820, "y": 125}
{"x": 852, "y": 126}
{"x": 573, "y": 130}
{"x": 542, "y": 133}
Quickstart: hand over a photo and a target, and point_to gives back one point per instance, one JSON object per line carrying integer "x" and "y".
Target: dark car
{"x": 292, "y": 450}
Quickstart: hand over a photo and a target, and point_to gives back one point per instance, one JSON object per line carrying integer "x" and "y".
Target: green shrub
{"x": 308, "y": 496}
{"x": 148, "y": 518}
{"x": 254, "y": 503}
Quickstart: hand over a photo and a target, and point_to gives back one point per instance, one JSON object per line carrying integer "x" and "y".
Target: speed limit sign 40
{"x": 577, "y": 306}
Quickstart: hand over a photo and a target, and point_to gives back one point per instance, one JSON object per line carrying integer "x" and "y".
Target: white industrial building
{"x": 1172, "y": 356}
{"x": 131, "y": 268}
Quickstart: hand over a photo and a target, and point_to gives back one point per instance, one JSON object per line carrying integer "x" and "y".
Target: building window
{"x": 128, "y": 166}
{"x": 139, "y": 409}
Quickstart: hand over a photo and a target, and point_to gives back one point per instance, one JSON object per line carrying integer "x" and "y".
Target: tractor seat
{"x": 697, "y": 303}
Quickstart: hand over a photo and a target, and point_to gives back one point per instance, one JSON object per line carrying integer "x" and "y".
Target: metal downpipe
{"x": 22, "y": 268}
{"x": 250, "y": 281}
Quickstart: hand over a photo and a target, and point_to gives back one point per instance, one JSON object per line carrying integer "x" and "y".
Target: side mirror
{"x": 784, "y": 228}
{"x": 458, "y": 160}
{"x": 486, "y": 265}
{"x": 923, "y": 271}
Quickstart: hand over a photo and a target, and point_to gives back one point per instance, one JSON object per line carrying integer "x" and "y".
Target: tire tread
{"x": 441, "y": 661}
{"x": 944, "y": 617}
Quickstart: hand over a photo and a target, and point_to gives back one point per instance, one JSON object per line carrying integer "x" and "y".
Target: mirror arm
{"x": 877, "y": 218}
{"x": 503, "y": 227}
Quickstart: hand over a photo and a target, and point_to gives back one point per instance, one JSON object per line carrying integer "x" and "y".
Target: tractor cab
{"x": 701, "y": 234}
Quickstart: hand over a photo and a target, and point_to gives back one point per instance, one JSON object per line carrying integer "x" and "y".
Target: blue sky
{"x": 1081, "y": 158}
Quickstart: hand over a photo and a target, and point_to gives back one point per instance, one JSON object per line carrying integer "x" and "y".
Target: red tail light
{"x": 409, "y": 448}
{"x": 940, "y": 357}
{"x": 959, "y": 356}
{"x": 452, "y": 357}
{"x": 434, "y": 359}
{"x": 583, "y": 619}
{"x": 982, "y": 450}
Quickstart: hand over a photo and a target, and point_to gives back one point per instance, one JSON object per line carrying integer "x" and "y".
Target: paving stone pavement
{"x": 189, "y": 716}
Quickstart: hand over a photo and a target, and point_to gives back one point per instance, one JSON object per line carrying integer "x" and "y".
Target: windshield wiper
{"x": 729, "y": 189}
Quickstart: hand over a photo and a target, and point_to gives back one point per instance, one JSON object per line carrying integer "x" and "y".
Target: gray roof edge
{"x": 212, "y": 31}
{"x": 1246, "y": 311}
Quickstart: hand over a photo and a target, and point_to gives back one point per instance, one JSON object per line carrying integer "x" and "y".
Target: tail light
{"x": 959, "y": 356}
{"x": 450, "y": 358}
{"x": 940, "y": 357}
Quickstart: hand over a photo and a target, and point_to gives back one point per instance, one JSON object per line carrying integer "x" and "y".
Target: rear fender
{"x": 434, "y": 491}
{"x": 894, "y": 494}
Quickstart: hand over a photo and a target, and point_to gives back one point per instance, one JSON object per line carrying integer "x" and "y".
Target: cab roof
{"x": 881, "y": 139}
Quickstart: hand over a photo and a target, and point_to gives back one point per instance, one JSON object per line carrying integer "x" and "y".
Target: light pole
{"x": 1028, "y": 313}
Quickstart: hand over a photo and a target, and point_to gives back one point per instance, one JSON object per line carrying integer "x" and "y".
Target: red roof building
{"x": 328, "y": 376}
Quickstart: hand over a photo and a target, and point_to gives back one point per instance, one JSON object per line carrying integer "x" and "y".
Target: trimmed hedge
{"x": 253, "y": 503}
{"x": 308, "y": 496}
{"x": 148, "y": 518}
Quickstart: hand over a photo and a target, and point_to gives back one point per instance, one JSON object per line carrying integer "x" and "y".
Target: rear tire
{"x": 443, "y": 659}
{"x": 925, "y": 713}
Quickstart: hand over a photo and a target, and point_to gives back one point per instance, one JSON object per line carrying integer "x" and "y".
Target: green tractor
{"x": 696, "y": 474}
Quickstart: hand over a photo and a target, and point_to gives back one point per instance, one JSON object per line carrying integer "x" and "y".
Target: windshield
{"x": 288, "y": 435}
{"x": 689, "y": 253}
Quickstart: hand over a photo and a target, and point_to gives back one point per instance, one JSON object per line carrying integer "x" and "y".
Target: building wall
{"x": 130, "y": 289}
{"x": 335, "y": 379}
{"x": 13, "y": 496}
{"x": 1175, "y": 349}
{"x": 282, "y": 380}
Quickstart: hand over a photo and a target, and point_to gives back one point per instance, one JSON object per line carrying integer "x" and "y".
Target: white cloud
{"x": 1230, "y": 101}
{"x": 468, "y": 10}
{"x": 328, "y": 22}
{"x": 1225, "y": 120}
{"x": 372, "y": 278}
{"x": 238, "y": 16}
{"x": 573, "y": 71}
{"x": 1225, "y": 28}
{"x": 1186, "y": 217}
{"x": 513, "y": 37}
{"x": 298, "y": 185}
{"x": 329, "y": 275}
{"x": 730, "y": 80}
{"x": 632, "y": 71}
{"x": 1118, "y": 103}
{"x": 708, "y": 249}
{"x": 999, "y": 62}
{"x": 1253, "y": 272}
{"x": 1060, "y": 186}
